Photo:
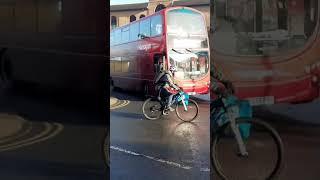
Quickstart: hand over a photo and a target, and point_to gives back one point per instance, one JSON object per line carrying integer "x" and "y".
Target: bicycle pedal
{"x": 246, "y": 155}
{"x": 166, "y": 113}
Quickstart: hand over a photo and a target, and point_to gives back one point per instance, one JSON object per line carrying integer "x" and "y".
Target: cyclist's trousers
{"x": 166, "y": 94}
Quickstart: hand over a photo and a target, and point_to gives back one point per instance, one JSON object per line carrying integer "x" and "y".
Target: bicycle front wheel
{"x": 263, "y": 144}
{"x": 152, "y": 109}
{"x": 190, "y": 114}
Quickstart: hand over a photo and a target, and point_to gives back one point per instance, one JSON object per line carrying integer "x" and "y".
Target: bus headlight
{"x": 314, "y": 79}
{"x": 313, "y": 67}
{"x": 307, "y": 69}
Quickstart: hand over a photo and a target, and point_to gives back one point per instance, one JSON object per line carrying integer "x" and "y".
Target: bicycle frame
{"x": 224, "y": 110}
{"x": 179, "y": 97}
{"x": 182, "y": 97}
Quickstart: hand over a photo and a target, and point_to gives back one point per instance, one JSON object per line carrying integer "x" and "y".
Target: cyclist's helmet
{"x": 173, "y": 69}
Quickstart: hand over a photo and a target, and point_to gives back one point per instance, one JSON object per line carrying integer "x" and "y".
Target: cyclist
{"x": 166, "y": 87}
{"x": 219, "y": 86}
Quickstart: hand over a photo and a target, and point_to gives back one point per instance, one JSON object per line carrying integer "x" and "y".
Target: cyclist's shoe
{"x": 171, "y": 109}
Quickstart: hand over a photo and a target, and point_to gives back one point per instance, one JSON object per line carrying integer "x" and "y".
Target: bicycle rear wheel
{"x": 264, "y": 147}
{"x": 152, "y": 109}
{"x": 190, "y": 114}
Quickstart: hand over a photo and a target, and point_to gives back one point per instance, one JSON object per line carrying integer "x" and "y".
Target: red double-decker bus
{"x": 56, "y": 44}
{"x": 269, "y": 49}
{"x": 173, "y": 36}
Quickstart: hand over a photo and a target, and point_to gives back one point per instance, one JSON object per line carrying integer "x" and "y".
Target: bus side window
{"x": 111, "y": 38}
{"x": 125, "y": 35}
{"x": 117, "y": 37}
{"x": 134, "y": 31}
{"x": 156, "y": 25}
{"x": 145, "y": 27}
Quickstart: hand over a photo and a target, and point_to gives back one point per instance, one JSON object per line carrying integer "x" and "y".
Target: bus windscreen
{"x": 185, "y": 22}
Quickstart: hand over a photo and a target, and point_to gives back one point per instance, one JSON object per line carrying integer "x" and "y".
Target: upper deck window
{"x": 117, "y": 36}
{"x": 185, "y": 22}
{"x": 145, "y": 27}
{"x": 125, "y": 35}
{"x": 134, "y": 31}
{"x": 156, "y": 25}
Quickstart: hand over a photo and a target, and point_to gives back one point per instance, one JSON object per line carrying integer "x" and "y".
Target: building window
{"x": 132, "y": 18}
{"x": 159, "y": 7}
{"x": 113, "y": 22}
{"x": 142, "y": 16}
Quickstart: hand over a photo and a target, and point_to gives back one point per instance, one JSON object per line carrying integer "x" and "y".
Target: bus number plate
{"x": 261, "y": 100}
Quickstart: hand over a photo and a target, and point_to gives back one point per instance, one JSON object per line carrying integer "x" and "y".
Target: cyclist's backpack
{"x": 161, "y": 78}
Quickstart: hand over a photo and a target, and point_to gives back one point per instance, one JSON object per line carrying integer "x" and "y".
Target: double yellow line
{"x": 120, "y": 104}
{"x": 21, "y": 139}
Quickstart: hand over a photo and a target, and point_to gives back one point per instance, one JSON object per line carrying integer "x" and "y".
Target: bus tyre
{"x": 5, "y": 72}
{"x": 111, "y": 86}
{"x": 106, "y": 149}
{"x": 146, "y": 90}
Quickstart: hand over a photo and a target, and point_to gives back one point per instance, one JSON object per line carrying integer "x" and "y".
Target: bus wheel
{"x": 146, "y": 90}
{"x": 5, "y": 71}
{"x": 111, "y": 86}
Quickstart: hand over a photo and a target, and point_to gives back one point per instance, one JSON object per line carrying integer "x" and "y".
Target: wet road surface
{"x": 157, "y": 149}
{"x": 42, "y": 138}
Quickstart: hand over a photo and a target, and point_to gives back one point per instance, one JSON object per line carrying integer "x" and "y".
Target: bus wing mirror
{"x": 265, "y": 51}
{"x": 142, "y": 36}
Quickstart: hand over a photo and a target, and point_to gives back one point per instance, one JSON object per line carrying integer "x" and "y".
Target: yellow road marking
{"x": 35, "y": 139}
{"x": 123, "y": 104}
{"x": 18, "y": 135}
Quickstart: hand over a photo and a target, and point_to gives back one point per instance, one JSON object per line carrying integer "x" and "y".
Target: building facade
{"x": 121, "y": 15}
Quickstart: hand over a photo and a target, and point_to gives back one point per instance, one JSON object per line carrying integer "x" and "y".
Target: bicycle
{"x": 183, "y": 105}
{"x": 233, "y": 130}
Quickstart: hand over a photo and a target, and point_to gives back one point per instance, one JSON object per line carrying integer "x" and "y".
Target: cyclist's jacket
{"x": 164, "y": 80}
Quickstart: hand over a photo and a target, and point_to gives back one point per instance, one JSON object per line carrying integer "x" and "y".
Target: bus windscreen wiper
{"x": 177, "y": 51}
{"x": 188, "y": 50}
